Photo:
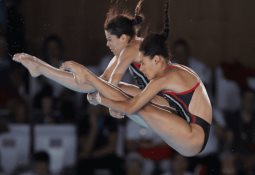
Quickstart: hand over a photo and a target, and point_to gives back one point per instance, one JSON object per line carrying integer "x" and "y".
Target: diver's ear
{"x": 156, "y": 59}
{"x": 124, "y": 38}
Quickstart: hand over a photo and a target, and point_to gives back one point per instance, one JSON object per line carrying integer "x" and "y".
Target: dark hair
{"x": 156, "y": 43}
{"x": 118, "y": 23}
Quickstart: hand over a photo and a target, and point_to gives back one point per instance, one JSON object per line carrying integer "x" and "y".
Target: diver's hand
{"x": 79, "y": 71}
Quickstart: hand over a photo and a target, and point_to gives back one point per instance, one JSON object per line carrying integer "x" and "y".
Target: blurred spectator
{"x": 227, "y": 98}
{"x": 98, "y": 141}
{"x": 134, "y": 164}
{"x": 247, "y": 163}
{"x": 244, "y": 135}
{"x": 18, "y": 112}
{"x": 67, "y": 106}
{"x": 228, "y": 164}
{"x": 40, "y": 164}
{"x": 182, "y": 54}
{"x": 45, "y": 109}
{"x": 53, "y": 50}
{"x": 146, "y": 152}
{"x": 179, "y": 165}
{"x": 48, "y": 109}
{"x": 237, "y": 72}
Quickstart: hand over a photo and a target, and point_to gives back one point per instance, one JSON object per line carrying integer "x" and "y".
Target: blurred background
{"x": 47, "y": 129}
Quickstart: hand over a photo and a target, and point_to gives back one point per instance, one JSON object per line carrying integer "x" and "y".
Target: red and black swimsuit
{"x": 180, "y": 101}
{"x": 140, "y": 79}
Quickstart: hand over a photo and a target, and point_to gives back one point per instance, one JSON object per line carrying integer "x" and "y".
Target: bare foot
{"x": 28, "y": 61}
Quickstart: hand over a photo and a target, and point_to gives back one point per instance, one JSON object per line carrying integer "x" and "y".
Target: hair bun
{"x": 137, "y": 20}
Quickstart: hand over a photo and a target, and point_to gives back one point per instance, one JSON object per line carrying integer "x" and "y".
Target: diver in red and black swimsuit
{"x": 181, "y": 100}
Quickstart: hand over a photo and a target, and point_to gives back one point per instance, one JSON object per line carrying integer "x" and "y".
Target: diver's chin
{"x": 114, "y": 52}
{"x": 147, "y": 77}
{"x": 117, "y": 54}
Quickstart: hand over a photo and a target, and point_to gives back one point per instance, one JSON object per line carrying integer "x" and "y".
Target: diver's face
{"x": 115, "y": 44}
{"x": 147, "y": 66}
